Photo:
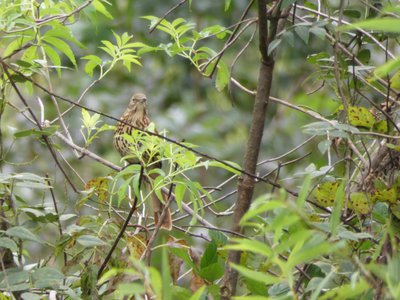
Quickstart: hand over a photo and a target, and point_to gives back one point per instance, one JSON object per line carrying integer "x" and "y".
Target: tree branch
{"x": 246, "y": 183}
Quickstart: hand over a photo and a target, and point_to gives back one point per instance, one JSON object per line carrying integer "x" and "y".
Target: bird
{"x": 136, "y": 114}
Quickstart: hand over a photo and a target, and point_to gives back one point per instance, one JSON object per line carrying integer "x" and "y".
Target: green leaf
{"x": 180, "y": 190}
{"x": 28, "y": 296}
{"x": 337, "y": 208}
{"x": 54, "y": 57}
{"x": 25, "y": 180}
{"x": 109, "y": 48}
{"x": 213, "y": 271}
{"x": 352, "y": 13}
{"x": 302, "y": 197}
{"x": 183, "y": 254}
{"x": 118, "y": 39}
{"x": 395, "y": 81}
{"x": 222, "y": 76}
{"x": 29, "y": 56}
{"x": 156, "y": 282}
{"x": 353, "y": 236}
{"x": 303, "y": 32}
{"x": 64, "y": 33}
{"x": 180, "y": 293}
{"x": 218, "y": 237}
{"x": 273, "y": 45}
{"x": 250, "y": 245}
{"x": 262, "y": 277}
{"x": 47, "y": 131}
{"x": 318, "y": 32}
{"x": 61, "y": 46}
{"x": 227, "y": 166}
{"x": 227, "y": 5}
{"x": 129, "y": 59}
{"x": 387, "y": 68}
{"x": 126, "y": 290}
{"x": 23, "y": 234}
{"x": 16, "y": 280}
{"x": 89, "y": 241}
{"x": 261, "y": 205}
{"x": 8, "y": 243}
{"x": 393, "y": 147}
{"x": 315, "y": 247}
{"x": 101, "y": 9}
{"x": 347, "y": 291}
{"x": 364, "y": 56}
{"x": 67, "y": 217}
{"x": 317, "y": 284}
{"x": 378, "y": 24}
{"x": 93, "y": 62}
{"x": 381, "y": 126}
{"x": 324, "y": 146}
{"x": 18, "y": 43}
{"x": 88, "y": 280}
{"x": 255, "y": 287}
{"x": 166, "y": 273}
{"x": 210, "y": 255}
{"x": 250, "y": 298}
{"x": 47, "y": 277}
{"x": 198, "y": 294}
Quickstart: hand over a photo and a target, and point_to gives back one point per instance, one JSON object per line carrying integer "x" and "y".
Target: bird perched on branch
{"x": 136, "y": 115}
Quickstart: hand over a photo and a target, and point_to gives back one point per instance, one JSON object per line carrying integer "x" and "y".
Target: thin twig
{"x": 166, "y": 15}
{"x": 219, "y": 55}
{"x": 57, "y": 212}
{"x": 147, "y": 253}
{"x": 244, "y": 14}
{"x": 124, "y": 226}
{"x": 237, "y": 58}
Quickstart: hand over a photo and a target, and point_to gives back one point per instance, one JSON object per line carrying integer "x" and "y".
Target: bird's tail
{"x": 160, "y": 211}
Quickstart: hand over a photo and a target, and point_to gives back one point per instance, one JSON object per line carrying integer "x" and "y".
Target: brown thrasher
{"x": 136, "y": 115}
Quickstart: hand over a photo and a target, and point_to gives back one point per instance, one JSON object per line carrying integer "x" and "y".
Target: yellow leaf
{"x": 326, "y": 192}
{"x": 386, "y": 195}
{"x": 360, "y": 116}
{"x": 360, "y": 203}
{"x": 395, "y": 81}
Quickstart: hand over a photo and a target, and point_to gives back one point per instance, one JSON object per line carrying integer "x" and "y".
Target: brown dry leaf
{"x": 172, "y": 241}
{"x": 194, "y": 255}
{"x": 136, "y": 244}
{"x": 175, "y": 264}
{"x": 196, "y": 282}
{"x": 335, "y": 144}
{"x": 100, "y": 187}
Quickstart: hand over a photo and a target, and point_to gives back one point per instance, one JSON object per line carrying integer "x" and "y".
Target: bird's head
{"x": 138, "y": 102}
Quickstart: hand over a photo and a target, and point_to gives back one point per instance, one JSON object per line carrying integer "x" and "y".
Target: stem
{"x": 246, "y": 182}
{"x": 122, "y": 231}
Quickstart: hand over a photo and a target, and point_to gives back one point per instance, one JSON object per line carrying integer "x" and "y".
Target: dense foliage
{"x": 312, "y": 210}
